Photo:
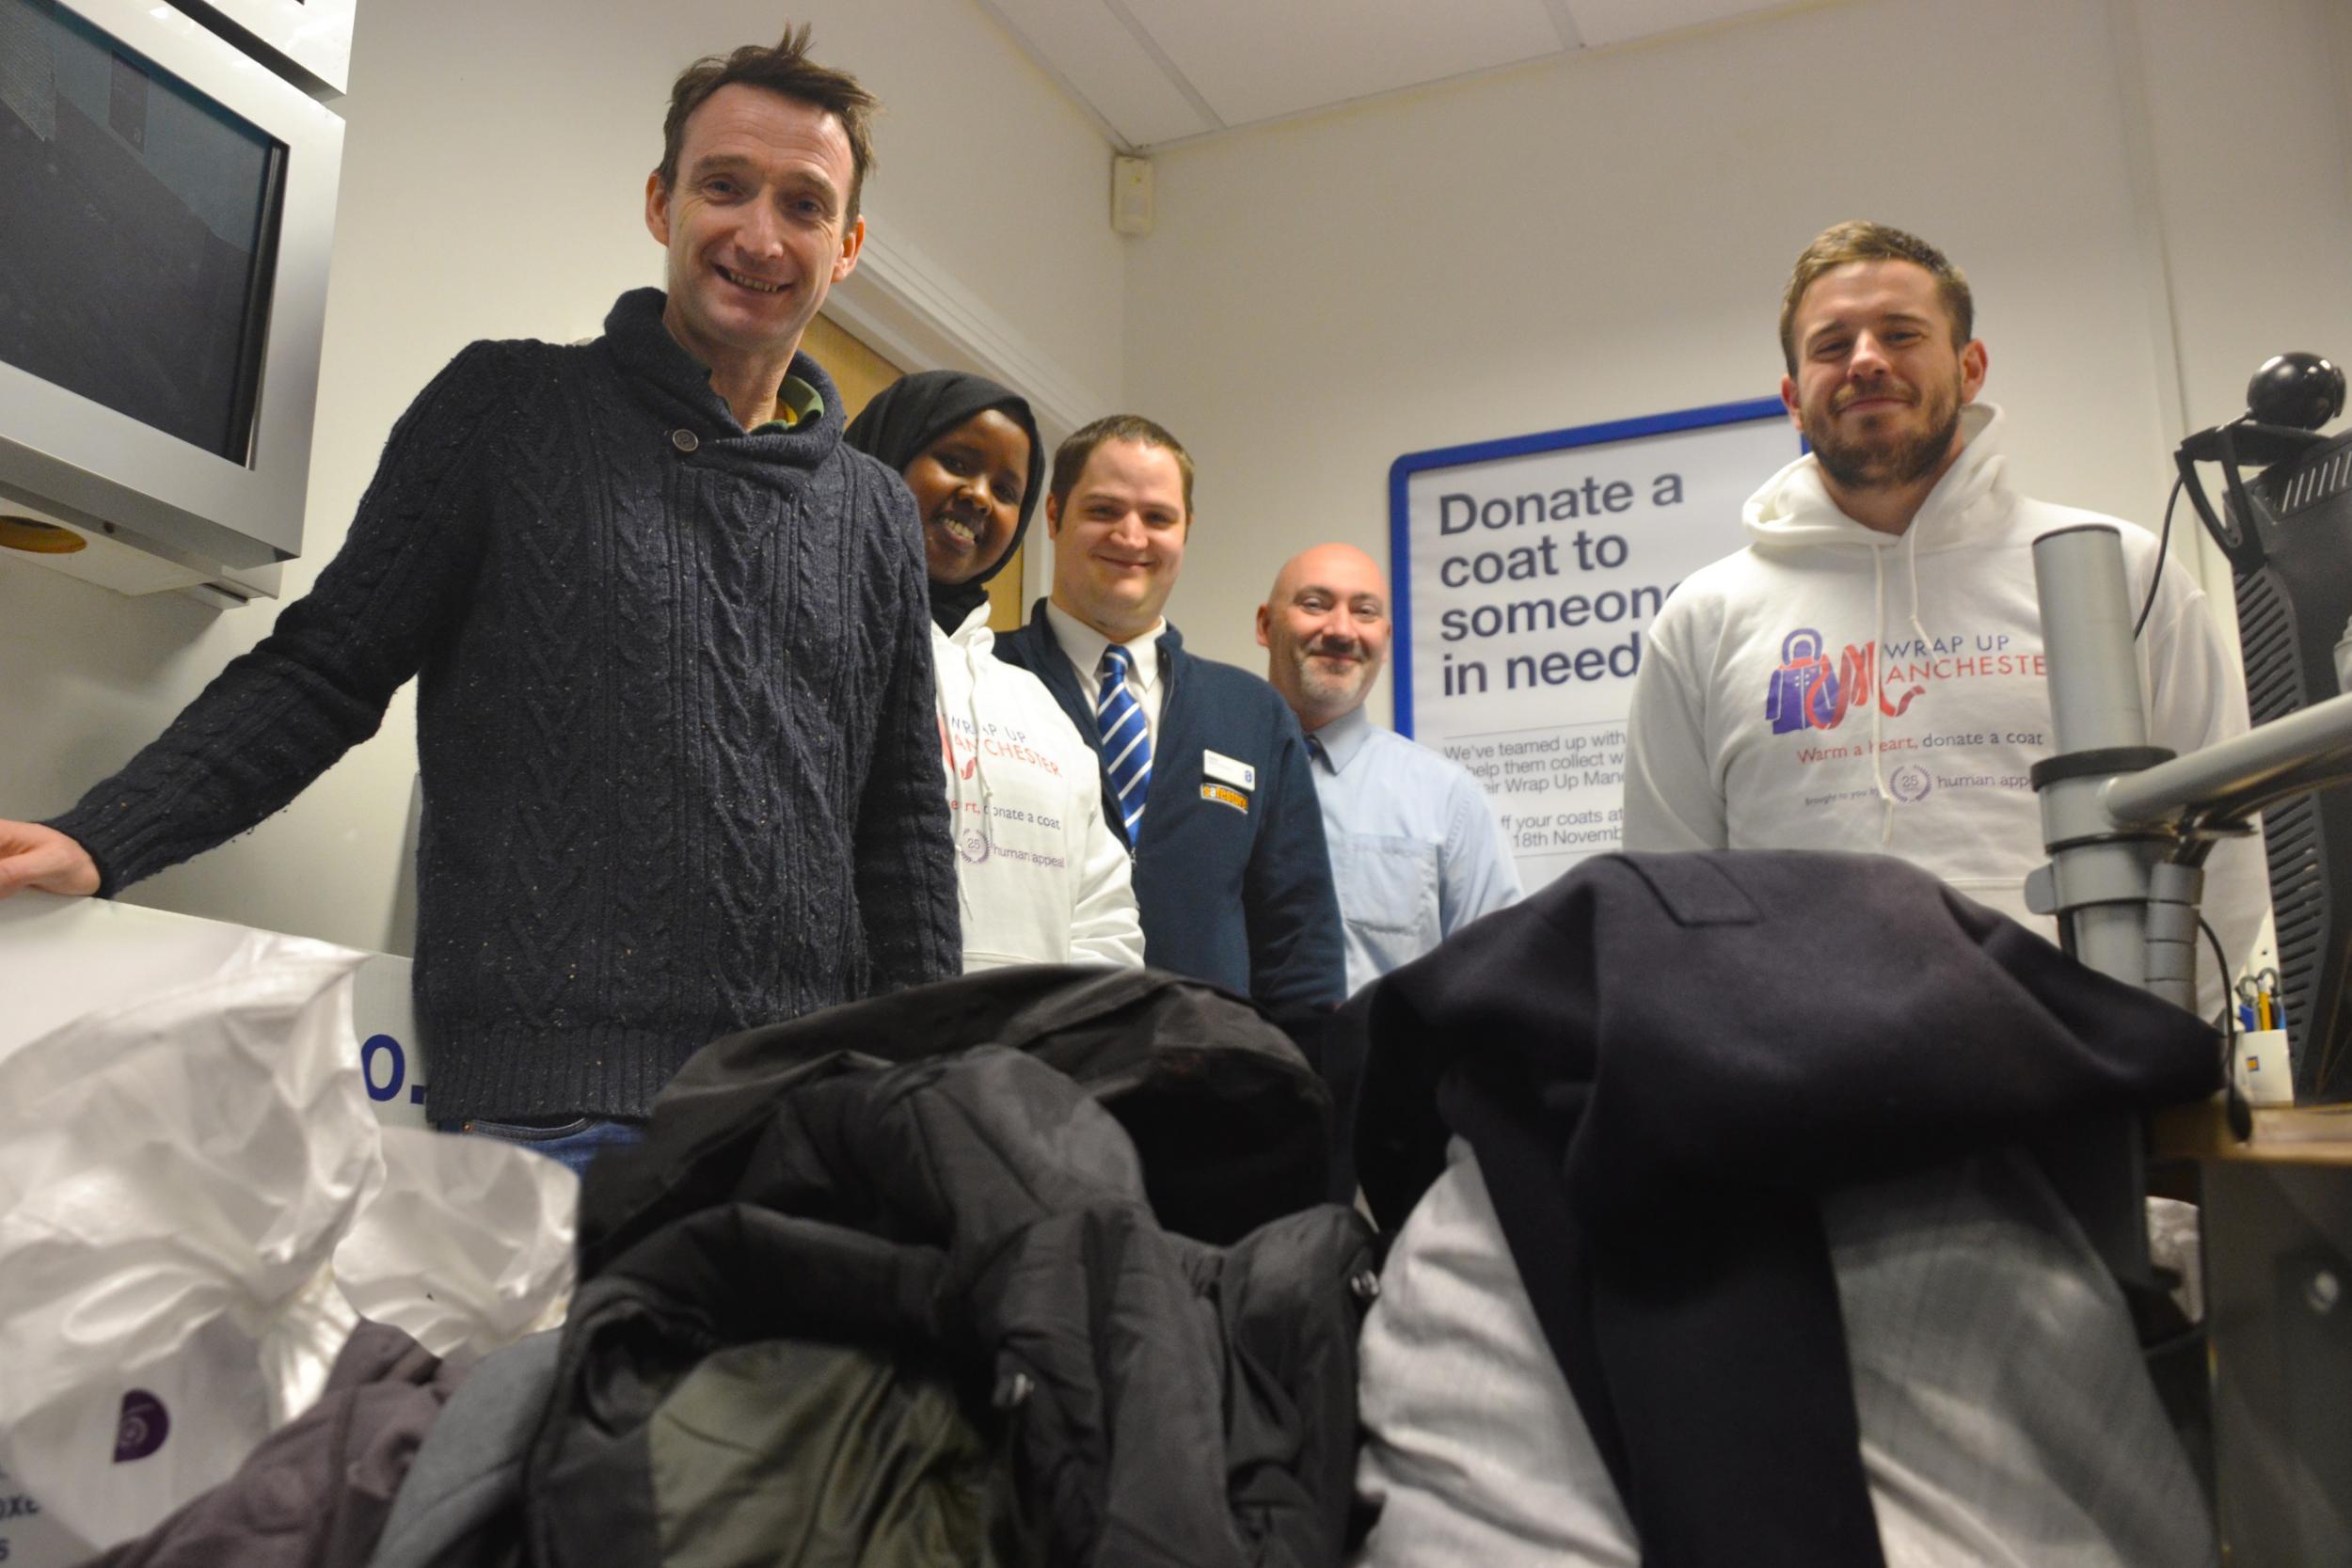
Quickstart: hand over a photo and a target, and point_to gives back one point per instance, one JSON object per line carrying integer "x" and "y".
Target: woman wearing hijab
{"x": 1043, "y": 880}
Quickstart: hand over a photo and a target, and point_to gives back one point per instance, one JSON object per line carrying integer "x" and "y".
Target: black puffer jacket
{"x": 1232, "y": 1124}
{"x": 979, "y": 1222}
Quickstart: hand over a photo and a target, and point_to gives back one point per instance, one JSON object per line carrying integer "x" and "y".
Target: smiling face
{"x": 1878, "y": 382}
{"x": 968, "y": 485}
{"x": 756, "y": 226}
{"x": 1119, "y": 538}
{"x": 1325, "y": 630}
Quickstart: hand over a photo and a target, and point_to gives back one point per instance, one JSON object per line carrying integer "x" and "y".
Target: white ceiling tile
{"x": 1098, "y": 60}
{"x": 1153, "y": 71}
{"x": 1253, "y": 60}
{"x": 1602, "y": 21}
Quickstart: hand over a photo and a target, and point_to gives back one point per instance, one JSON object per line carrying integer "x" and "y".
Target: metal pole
{"x": 2304, "y": 751}
{"x": 2098, "y": 882}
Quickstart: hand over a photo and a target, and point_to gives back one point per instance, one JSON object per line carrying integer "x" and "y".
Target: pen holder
{"x": 2265, "y": 1074}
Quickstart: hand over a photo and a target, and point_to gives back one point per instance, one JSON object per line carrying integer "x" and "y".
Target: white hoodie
{"x": 1834, "y": 687}
{"x": 1042, "y": 880}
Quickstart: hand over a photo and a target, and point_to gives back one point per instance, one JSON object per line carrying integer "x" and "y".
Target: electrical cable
{"x": 2241, "y": 1115}
{"x": 2163, "y": 550}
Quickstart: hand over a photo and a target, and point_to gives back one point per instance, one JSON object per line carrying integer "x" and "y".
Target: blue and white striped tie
{"x": 1127, "y": 739}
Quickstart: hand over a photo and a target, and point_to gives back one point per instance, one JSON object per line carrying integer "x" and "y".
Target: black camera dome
{"x": 2301, "y": 390}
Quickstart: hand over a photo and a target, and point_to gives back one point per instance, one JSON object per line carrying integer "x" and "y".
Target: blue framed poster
{"x": 1526, "y": 571}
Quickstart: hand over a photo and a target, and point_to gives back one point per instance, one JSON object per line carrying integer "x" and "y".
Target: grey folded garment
{"x": 317, "y": 1492}
{"x": 2007, "y": 1420}
{"x": 460, "y": 1505}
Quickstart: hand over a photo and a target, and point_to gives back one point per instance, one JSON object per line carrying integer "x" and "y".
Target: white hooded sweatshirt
{"x": 1042, "y": 880}
{"x": 1834, "y": 687}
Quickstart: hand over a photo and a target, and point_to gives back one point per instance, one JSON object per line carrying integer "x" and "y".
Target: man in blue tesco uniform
{"x": 1868, "y": 673}
{"x": 1416, "y": 852}
{"x": 1204, "y": 773}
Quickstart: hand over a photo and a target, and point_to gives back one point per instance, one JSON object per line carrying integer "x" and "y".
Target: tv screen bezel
{"x": 312, "y": 36}
{"x": 69, "y": 457}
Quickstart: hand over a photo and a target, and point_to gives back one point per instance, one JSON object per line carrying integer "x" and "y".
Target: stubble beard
{"x": 1882, "y": 463}
{"x": 1332, "y": 695}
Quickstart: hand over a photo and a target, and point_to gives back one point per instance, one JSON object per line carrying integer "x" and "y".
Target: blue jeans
{"x": 574, "y": 1143}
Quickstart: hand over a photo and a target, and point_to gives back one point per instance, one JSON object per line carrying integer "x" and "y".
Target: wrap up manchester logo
{"x": 962, "y": 769}
{"x": 1809, "y": 692}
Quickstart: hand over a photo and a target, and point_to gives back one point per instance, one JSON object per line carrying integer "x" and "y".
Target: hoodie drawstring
{"x": 1877, "y": 665}
{"x": 1910, "y": 553}
{"x": 1878, "y": 674}
{"x": 972, "y": 654}
{"x": 980, "y": 753}
{"x": 1910, "y": 560}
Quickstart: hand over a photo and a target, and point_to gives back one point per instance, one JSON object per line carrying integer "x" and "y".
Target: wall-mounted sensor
{"x": 1130, "y": 196}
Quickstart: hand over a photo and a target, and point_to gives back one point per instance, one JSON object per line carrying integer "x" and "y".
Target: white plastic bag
{"x": 175, "y": 1174}
{"x": 468, "y": 1246}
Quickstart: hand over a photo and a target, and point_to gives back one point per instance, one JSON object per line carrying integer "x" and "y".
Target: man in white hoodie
{"x": 1867, "y": 674}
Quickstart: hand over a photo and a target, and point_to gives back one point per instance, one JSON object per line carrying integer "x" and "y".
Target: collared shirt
{"x": 1085, "y": 646}
{"x": 1416, "y": 852}
{"x": 797, "y": 403}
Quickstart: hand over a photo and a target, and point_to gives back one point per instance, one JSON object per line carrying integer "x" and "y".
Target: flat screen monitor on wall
{"x": 162, "y": 280}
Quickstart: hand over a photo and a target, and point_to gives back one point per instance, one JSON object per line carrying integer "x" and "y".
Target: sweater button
{"x": 685, "y": 440}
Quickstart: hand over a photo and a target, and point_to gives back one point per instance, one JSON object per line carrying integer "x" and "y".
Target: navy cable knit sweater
{"x": 674, "y": 719}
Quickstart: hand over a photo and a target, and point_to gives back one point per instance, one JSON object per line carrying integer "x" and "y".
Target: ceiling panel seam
{"x": 1150, "y": 46}
{"x": 1313, "y": 111}
{"x": 1060, "y": 78}
{"x": 1564, "y": 24}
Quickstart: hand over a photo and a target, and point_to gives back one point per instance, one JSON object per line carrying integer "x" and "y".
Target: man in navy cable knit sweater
{"x": 1204, "y": 772}
{"x": 674, "y": 716}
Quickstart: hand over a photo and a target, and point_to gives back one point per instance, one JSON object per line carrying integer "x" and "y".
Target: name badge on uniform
{"x": 1217, "y": 765}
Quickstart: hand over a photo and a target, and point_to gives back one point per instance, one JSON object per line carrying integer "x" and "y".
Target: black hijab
{"x": 913, "y": 412}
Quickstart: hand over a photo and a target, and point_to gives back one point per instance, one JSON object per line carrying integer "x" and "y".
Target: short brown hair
{"x": 1840, "y": 244}
{"x": 786, "y": 70}
{"x": 1070, "y": 458}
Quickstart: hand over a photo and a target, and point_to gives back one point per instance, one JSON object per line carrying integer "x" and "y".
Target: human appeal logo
{"x": 1810, "y": 693}
{"x": 1910, "y": 782}
{"x": 143, "y": 1427}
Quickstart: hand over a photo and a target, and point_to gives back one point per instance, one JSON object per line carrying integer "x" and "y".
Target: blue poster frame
{"x": 1404, "y": 468}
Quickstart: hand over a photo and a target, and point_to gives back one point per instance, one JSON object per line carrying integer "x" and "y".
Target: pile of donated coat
{"x": 1046, "y": 1266}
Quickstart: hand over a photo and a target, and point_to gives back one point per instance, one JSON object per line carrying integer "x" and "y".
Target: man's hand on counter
{"x": 37, "y": 857}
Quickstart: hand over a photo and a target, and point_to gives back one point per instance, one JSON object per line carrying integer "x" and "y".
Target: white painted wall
{"x": 493, "y": 187}
{"x": 2139, "y": 190}
{"x": 2251, "y": 120}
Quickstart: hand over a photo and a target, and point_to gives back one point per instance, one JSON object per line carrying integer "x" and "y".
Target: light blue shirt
{"x": 1416, "y": 852}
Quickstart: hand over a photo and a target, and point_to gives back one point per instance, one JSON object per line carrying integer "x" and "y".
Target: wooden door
{"x": 856, "y": 370}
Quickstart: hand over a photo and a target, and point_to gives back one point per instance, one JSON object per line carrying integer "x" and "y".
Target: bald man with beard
{"x": 1416, "y": 852}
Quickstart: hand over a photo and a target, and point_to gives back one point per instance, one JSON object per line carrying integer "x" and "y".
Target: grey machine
{"x": 2128, "y": 827}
